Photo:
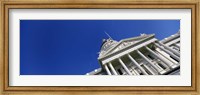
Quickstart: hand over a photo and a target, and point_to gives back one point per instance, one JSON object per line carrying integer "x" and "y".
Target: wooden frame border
{"x": 6, "y": 5}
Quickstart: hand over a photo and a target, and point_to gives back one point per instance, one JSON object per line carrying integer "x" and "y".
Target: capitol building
{"x": 142, "y": 55}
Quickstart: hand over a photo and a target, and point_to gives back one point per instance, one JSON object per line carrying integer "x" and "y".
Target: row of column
{"x": 175, "y": 54}
{"x": 113, "y": 71}
{"x": 166, "y": 49}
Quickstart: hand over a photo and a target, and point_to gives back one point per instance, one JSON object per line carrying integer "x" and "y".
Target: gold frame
{"x": 183, "y": 90}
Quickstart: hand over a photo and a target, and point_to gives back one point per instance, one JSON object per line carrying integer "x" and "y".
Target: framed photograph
{"x": 100, "y": 47}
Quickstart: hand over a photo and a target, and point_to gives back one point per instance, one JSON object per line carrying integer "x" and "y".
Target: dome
{"x": 106, "y": 45}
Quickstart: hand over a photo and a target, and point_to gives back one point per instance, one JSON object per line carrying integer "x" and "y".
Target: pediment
{"x": 123, "y": 45}
{"x": 126, "y": 43}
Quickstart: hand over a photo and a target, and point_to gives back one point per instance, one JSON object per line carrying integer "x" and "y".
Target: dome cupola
{"x": 107, "y": 45}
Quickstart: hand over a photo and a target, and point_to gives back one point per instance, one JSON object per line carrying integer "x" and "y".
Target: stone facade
{"x": 142, "y": 55}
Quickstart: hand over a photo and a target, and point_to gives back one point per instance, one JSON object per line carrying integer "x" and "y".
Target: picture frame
{"x": 119, "y": 90}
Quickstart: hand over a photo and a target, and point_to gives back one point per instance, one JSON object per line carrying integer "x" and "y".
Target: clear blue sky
{"x": 70, "y": 47}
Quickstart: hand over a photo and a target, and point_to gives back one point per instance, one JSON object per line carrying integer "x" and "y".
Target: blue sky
{"x": 70, "y": 47}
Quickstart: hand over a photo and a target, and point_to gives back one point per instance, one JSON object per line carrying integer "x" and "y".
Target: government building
{"x": 142, "y": 55}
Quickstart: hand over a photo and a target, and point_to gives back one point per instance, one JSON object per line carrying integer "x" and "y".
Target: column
{"x": 112, "y": 68}
{"x": 149, "y": 69}
{"x": 152, "y": 52}
{"x": 170, "y": 49}
{"x": 145, "y": 58}
{"x": 133, "y": 72}
{"x": 170, "y": 53}
{"x": 136, "y": 72}
{"x": 107, "y": 70}
{"x": 124, "y": 66}
{"x": 137, "y": 64}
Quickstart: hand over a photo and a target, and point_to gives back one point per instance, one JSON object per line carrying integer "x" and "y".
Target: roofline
{"x": 96, "y": 71}
{"x": 100, "y": 58}
{"x": 168, "y": 39}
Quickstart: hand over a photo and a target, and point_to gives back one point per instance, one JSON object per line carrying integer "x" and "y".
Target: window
{"x": 161, "y": 65}
{"x": 152, "y": 58}
{"x": 119, "y": 71}
{"x": 174, "y": 58}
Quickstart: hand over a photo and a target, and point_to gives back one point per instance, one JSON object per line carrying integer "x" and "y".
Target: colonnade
{"x": 143, "y": 68}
